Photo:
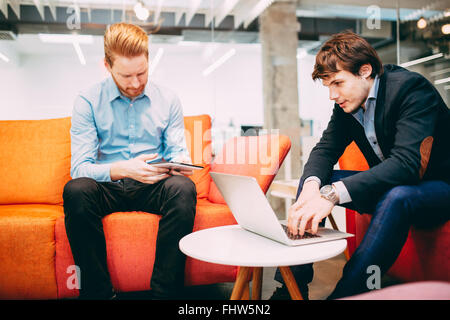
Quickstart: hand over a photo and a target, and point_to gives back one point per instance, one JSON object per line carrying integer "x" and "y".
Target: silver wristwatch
{"x": 329, "y": 193}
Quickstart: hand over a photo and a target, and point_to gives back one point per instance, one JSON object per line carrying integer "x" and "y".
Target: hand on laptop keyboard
{"x": 306, "y": 235}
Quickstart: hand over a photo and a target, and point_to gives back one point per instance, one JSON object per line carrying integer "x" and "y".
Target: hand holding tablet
{"x": 176, "y": 168}
{"x": 175, "y": 165}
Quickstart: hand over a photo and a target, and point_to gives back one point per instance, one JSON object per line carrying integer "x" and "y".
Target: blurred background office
{"x": 246, "y": 63}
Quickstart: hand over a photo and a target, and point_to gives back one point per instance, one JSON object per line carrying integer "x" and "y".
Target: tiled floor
{"x": 326, "y": 274}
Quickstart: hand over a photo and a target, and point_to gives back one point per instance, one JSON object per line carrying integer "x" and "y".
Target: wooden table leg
{"x": 347, "y": 254}
{"x": 246, "y": 292}
{"x": 291, "y": 284}
{"x": 257, "y": 283}
{"x": 241, "y": 281}
{"x": 333, "y": 223}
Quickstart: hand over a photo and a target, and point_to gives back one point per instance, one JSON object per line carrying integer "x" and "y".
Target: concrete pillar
{"x": 279, "y": 41}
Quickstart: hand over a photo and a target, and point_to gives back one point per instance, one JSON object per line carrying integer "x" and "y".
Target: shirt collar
{"x": 372, "y": 94}
{"x": 374, "y": 90}
{"x": 113, "y": 90}
{"x": 359, "y": 113}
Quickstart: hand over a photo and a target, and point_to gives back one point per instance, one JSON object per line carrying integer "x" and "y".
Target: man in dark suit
{"x": 401, "y": 125}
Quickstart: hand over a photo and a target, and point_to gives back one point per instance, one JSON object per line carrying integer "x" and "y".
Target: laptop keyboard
{"x": 306, "y": 235}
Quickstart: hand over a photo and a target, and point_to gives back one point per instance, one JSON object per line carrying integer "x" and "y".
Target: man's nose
{"x": 135, "y": 82}
{"x": 334, "y": 94}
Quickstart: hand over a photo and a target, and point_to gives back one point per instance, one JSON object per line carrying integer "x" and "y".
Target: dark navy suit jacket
{"x": 412, "y": 125}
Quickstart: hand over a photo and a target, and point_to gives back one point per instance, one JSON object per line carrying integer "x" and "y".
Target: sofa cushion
{"x": 210, "y": 215}
{"x": 34, "y": 160}
{"x": 198, "y": 140}
{"x": 424, "y": 256}
{"x": 131, "y": 245}
{"x": 255, "y": 156}
{"x": 27, "y": 251}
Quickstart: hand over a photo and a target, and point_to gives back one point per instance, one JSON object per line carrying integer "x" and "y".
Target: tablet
{"x": 175, "y": 165}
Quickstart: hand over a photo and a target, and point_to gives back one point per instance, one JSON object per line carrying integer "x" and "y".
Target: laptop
{"x": 253, "y": 212}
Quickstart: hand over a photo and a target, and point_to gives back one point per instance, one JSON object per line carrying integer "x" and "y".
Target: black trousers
{"x": 87, "y": 201}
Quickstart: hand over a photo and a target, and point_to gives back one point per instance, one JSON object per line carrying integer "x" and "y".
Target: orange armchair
{"x": 426, "y": 253}
{"x": 35, "y": 257}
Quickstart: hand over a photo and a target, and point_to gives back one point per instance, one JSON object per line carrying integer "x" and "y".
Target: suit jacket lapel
{"x": 380, "y": 113}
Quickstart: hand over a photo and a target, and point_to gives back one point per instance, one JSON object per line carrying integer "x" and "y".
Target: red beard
{"x": 129, "y": 92}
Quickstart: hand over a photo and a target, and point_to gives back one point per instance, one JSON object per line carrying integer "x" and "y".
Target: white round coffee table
{"x": 232, "y": 245}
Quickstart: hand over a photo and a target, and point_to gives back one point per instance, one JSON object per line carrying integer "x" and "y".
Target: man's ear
{"x": 107, "y": 66}
{"x": 365, "y": 71}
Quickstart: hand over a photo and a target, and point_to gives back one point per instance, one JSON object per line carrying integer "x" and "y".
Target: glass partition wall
{"x": 412, "y": 34}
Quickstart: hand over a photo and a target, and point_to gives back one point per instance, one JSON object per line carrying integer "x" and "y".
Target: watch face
{"x": 326, "y": 189}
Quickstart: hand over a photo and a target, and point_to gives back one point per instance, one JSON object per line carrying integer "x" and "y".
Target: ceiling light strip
{"x": 77, "y": 47}
{"x": 3, "y": 57}
{"x": 441, "y": 81}
{"x": 219, "y": 62}
{"x": 421, "y": 60}
{"x": 155, "y": 61}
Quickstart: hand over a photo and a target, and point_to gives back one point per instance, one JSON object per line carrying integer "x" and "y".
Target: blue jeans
{"x": 424, "y": 205}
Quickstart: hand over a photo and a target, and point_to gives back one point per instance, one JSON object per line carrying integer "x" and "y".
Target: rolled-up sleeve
{"x": 84, "y": 144}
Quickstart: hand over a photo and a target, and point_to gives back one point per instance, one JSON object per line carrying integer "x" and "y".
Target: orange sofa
{"x": 426, "y": 253}
{"x": 35, "y": 257}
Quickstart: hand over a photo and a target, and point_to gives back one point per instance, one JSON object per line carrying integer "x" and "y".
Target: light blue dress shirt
{"x": 366, "y": 117}
{"x": 109, "y": 127}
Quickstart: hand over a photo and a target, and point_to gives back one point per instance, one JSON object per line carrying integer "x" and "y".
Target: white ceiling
{"x": 208, "y": 4}
{"x": 245, "y": 11}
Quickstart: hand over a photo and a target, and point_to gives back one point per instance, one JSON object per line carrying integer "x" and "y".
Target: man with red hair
{"x": 118, "y": 126}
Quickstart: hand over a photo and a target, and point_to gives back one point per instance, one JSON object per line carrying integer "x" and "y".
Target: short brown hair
{"x": 126, "y": 40}
{"x": 348, "y": 51}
